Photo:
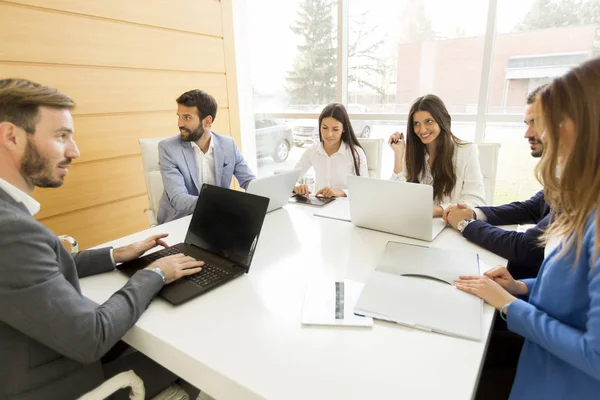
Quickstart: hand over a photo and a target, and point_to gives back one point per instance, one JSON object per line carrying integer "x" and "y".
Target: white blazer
{"x": 469, "y": 180}
{"x": 332, "y": 170}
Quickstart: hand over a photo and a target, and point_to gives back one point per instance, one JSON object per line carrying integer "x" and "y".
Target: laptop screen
{"x": 227, "y": 223}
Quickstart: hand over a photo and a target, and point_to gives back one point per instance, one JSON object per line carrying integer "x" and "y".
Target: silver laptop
{"x": 278, "y": 188}
{"x": 400, "y": 208}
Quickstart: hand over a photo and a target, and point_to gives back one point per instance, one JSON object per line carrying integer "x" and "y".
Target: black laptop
{"x": 223, "y": 233}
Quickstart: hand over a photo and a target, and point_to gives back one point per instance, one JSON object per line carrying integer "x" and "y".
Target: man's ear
{"x": 8, "y": 135}
{"x": 207, "y": 121}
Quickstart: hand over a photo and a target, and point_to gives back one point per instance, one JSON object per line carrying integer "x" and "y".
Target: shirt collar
{"x": 341, "y": 151}
{"x": 211, "y": 145}
{"x": 21, "y": 197}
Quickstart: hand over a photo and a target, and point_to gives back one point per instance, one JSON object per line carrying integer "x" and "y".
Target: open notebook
{"x": 413, "y": 286}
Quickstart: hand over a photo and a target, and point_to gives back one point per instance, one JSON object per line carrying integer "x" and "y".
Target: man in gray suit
{"x": 196, "y": 156}
{"x": 51, "y": 336}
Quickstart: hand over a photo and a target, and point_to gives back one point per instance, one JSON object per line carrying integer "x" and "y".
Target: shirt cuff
{"x": 398, "y": 177}
{"x": 517, "y": 310}
{"x": 529, "y": 282}
{"x": 112, "y": 258}
{"x": 480, "y": 214}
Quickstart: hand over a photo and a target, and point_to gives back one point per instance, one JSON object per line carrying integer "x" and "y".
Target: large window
{"x": 294, "y": 61}
{"x": 536, "y": 40}
{"x": 383, "y": 55}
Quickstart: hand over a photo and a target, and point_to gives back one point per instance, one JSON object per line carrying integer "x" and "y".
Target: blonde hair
{"x": 576, "y": 193}
{"x": 21, "y": 99}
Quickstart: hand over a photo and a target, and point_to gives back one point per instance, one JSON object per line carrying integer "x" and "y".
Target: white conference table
{"x": 245, "y": 339}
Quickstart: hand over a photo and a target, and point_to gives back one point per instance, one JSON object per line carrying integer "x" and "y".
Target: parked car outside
{"x": 305, "y": 131}
{"x": 273, "y": 139}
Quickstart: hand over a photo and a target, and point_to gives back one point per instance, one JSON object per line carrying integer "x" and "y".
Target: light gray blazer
{"x": 51, "y": 336}
{"x": 180, "y": 173}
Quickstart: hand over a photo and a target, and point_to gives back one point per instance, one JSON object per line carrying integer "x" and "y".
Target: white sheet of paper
{"x": 320, "y": 304}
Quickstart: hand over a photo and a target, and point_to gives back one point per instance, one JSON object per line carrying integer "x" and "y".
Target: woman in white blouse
{"x": 434, "y": 156}
{"x": 337, "y": 155}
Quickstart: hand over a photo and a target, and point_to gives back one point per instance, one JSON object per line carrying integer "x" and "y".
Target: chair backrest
{"x": 488, "y": 160}
{"x": 374, "y": 151}
{"x": 154, "y": 183}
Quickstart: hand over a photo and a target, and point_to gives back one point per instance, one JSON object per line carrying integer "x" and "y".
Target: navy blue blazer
{"x": 521, "y": 249}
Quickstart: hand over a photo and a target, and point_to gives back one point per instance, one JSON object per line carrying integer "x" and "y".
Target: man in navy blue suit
{"x": 478, "y": 225}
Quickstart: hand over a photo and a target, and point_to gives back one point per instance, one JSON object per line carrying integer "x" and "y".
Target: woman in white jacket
{"x": 433, "y": 156}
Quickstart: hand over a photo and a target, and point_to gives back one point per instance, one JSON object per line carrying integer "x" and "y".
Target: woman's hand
{"x": 501, "y": 276}
{"x": 329, "y": 192}
{"x": 396, "y": 142}
{"x": 438, "y": 211}
{"x": 485, "y": 288}
{"x": 302, "y": 189}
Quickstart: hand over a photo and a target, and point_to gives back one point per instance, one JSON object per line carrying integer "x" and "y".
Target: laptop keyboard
{"x": 169, "y": 251}
{"x": 209, "y": 274}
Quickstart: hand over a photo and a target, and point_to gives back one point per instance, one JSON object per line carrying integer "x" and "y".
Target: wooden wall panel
{"x": 124, "y": 63}
{"x": 93, "y": 226}
{"x": 85, "y": 41}
{"x": 107, "y": 90}
{"x": 92, "y": 184}
{"x": 200, "y": 16}
{"x": 107, "y": 136}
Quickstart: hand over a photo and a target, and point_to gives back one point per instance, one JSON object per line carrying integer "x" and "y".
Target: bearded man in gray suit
{"x": 51, "y": 337}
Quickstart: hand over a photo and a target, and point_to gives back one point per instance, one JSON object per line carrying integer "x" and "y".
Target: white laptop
{"x": 278, "y": 188}
{"x": 400, "y": 208}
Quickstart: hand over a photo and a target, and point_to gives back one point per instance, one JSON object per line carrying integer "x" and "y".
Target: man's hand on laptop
{"x": 177, "y": 266}
{"x": 135, "y": 250}
{"x": 302, "y": 189}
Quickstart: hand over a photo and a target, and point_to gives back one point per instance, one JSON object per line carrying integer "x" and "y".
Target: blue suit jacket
{"x": 522, "y": 249}
{"x": 180, "y": 174}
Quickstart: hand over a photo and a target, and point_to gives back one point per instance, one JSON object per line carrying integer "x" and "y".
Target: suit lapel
{"x": 190, "y": 160}
{"x": 218, "y": 156}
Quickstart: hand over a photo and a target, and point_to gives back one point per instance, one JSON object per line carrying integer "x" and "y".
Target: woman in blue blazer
{"x": 558, "y": 313}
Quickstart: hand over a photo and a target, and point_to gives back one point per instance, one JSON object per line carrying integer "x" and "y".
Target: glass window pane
{"x": 293, "y": 64}
{"x": 293, "y": 55}
{"x": 404, "y": 49}
{"x": 536, "y": 41}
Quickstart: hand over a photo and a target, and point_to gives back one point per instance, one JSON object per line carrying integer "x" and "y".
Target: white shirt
{"x": 21, "y": 197}
{"x": 332, "y": 171}
{"x": 206, "y": 163}
{"x": 469, "y": 180}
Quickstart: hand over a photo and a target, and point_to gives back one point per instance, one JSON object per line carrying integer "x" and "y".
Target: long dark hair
{"x": 338, "y": 112}
{"x": 442, "y": 169}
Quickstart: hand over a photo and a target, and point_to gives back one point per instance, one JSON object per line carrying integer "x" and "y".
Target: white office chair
{"x": 488, "y": 160}
{"x": 138, "y": 392}
{"x": 120, "y": 381}
{"x": 154, "y": 184}
{"x": 374, "y": 151}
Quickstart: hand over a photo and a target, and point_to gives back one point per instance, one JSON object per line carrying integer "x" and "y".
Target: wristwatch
{"x": 159, "y": 272}
{"x": 463, "y": 224}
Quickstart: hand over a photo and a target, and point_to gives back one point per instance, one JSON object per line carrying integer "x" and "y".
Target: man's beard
{"x": 193, "y": 136}
{"x": 538, "y": 153}
{"x": 37, "y": 169}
